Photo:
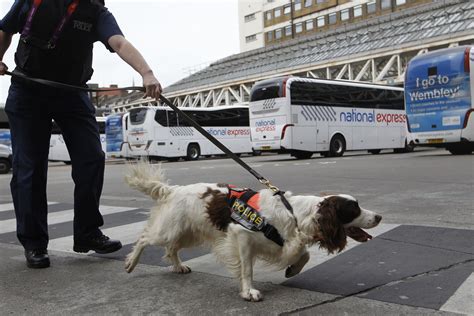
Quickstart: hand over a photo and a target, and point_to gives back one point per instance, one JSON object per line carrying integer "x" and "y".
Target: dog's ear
{"x": 333, "y": 234}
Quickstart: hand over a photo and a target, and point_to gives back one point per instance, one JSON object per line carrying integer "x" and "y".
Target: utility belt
{"x": 246, "y": 212}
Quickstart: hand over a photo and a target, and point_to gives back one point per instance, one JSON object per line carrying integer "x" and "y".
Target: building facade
{"x": 270, "y": 22}
{"x": 376, "y": 49}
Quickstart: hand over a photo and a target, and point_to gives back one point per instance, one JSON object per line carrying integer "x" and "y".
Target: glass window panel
{"x": 321, "y": 22}
{"x": 277, "y": 13}
{"x": 345, "y": 15}
{"x": 357, "y": 11}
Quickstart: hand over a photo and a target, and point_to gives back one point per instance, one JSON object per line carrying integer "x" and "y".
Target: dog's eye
{"x": 353, "y": 204}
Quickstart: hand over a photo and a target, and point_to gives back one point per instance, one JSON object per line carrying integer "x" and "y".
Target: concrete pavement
{"x": 86, "y": 285}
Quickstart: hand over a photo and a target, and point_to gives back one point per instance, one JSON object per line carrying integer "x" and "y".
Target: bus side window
{"x": 161, "y": 117}
{"x": 182, "y": 121}
{"x": 172, "y": 119}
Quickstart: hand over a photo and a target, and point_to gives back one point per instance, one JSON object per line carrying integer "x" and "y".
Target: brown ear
{"x": 333, "y": 234}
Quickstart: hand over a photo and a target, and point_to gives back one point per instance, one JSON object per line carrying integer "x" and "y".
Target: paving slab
{"x": 391, "y": 268}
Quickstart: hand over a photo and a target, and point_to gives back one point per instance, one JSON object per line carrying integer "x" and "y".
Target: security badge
{"x": 246, "y": 216}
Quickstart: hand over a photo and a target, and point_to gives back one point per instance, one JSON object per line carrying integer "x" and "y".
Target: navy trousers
{"x": 30, "y": 109}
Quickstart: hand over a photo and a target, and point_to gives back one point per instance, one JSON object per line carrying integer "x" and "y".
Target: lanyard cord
{"x": 212, "y": 139}
{"x": 59, "y": 28}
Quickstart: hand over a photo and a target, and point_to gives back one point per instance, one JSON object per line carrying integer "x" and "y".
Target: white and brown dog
{"x": 199, "y": 214}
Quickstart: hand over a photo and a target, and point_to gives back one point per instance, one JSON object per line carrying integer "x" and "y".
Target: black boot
{"x": 101, "y": 244}
{"x": 37, "y": 258}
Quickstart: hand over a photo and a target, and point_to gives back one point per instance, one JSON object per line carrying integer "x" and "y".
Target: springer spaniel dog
{"x": 199, "y": 214}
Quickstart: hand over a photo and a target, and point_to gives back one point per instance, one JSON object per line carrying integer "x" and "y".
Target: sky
{"x": 173, "y": 36}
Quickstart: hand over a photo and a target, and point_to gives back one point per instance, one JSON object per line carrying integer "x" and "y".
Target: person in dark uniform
{"x": 56, "y": 43}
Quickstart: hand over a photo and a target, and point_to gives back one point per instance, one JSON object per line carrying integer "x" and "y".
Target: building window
{"x": 309, "y": 25}
{"x": 277, "y": 13}
{"x": 321, "y": 22}
{"x": 270, "y": 36}
{"x": 308, "y": 3}
{"x": 332, "y": 18}
{"x": 278, "y": 34}
{"x": 401, "y": 2}
{"x": 386, "y": 4}
{"x": 251, "y": 38}
{"x": 357, "y": 11}
{"x": 249, "y": 17}
{"x": 320, "y": 1}
{"x": 298, "y": 27}
{"x": 371, "y": 7}
{"x": 287, "y": 9}
{"x": 288, "y": 30}
{"x": 345, "y": 15}
{"x": 268, "y": 15}
{"x": 297, "y": 5}
{"x": 270, "y": 1}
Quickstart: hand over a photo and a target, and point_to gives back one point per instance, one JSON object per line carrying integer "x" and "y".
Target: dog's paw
{"x": 252, "y": 295}
{"x": 182, "y": 269}
{"x": 129, "y": 265}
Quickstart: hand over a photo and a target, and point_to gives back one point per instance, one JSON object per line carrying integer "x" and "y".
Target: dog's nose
{"x": 378, "y": 218}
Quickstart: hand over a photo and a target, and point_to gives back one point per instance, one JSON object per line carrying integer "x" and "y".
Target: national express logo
{"x": 355, "y": 116}
{"x": 236, "y": 132}
{"x": 265, "y": 125}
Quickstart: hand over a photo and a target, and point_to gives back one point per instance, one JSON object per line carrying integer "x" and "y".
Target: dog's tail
{"x": 148, "y": 179}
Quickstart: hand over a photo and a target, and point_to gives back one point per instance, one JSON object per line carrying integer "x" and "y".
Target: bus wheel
{"x": 407, "y": 149}
{"x": 337, "y": 147}
{"x": 300, "y": 154}
{"x": 256, "y": 152}
{"x": 375, "y": 151}
{"x": 5, "y": 166}
{"x": 193, "y": 152}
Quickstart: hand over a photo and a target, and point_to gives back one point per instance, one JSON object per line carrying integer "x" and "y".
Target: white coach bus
{"x": 303, "y": 116}
{"x": 57, "y": 146}
{"x": 159, "y": 132}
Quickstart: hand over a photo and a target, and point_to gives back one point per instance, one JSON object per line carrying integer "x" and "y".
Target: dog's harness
{"x": 245, "y": 210}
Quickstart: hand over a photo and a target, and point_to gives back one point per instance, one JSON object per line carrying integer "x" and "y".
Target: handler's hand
{"x": 3, "y": 68}
{"x": 152, "y": 86}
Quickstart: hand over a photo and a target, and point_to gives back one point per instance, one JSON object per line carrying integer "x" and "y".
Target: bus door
{"x": 310, "y": 131}
{"x": 322, "y": 126}
{"x": 125, "y": 150}
{"x": 138, "y": 133}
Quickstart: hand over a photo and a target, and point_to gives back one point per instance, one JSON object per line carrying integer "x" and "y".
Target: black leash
{"x": 212, "y": 139}
{"x": 59, "y": 85}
